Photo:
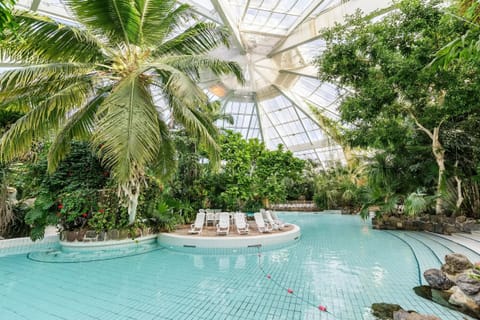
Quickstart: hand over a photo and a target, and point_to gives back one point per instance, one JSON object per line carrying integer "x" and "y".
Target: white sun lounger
{"x": 261, "y": 225}
{"x": 241, "y": 223}
{"x": 277, "y": 220}
{"x": 276, "y": 225}
{"x": 223, "y": 226}
{"x": 197, "y": 226}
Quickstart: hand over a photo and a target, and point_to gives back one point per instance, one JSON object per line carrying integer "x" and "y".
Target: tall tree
{"x": 385, "y": 62}
{"x": 100, "y": 81}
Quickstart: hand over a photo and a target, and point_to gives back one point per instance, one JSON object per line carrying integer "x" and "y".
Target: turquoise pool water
{"x": 339, "y": 262}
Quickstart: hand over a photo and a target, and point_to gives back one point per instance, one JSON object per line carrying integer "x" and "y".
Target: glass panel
{"x": 201, "y": 3}
{"x": 24, "y": 4}
{"x": 312, "y": 49}
{"x": 322, "y": 94}
{"x": 325, "y": 5}
{"x": 54, "y": 7}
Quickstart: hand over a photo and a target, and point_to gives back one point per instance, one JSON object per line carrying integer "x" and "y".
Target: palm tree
{"x": 99, "y": 81}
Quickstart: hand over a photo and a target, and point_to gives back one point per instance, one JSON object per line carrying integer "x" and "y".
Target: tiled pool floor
{"x": 340, "y": 263}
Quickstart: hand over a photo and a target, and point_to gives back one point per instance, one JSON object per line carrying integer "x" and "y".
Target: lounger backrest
{"x": 224, "y": 220}
{"x": 259, "y": 219}
{"x": 270, "y": 218}
{"x": 210, "y": 216}
{"x": 274, "y": 215}
{"x": 240, "y": 220}
{"x": 200, "y": 219}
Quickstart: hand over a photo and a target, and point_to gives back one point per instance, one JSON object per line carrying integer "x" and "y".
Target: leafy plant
{"x": 106, "y": 219}
{"x": 41, "y": 215}
{"x": 417, "y": 202}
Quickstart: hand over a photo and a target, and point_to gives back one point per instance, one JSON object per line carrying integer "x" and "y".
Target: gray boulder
{"x": 437, "y": 279}
{"x": 456, "y": 263}
{"x": 468, "y": 284}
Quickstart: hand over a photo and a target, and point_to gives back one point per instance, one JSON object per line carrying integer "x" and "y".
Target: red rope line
{"x": 289, "y": 290}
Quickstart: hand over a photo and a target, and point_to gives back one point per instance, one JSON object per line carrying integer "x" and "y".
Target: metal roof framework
{"x": 275, "y": 42}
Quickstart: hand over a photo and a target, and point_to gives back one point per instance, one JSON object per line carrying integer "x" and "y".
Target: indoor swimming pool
{"x": 339, "y": 262}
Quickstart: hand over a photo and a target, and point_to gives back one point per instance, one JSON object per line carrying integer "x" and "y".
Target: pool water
{"x": 339, "y": 262}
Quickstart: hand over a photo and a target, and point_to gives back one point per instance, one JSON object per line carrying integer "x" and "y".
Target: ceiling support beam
{"x": 298, "y": 103}
{"x": 35, "y": 5}
{"x": 245, "y": 10}
{"x": 273, "y": 126}
{"x": 310, "y": 29}
{"x": 308, "y": 71}
{"x": 298, "y": 116}
{"x": 229, "y": 21}
{"x": 259, "y": 120}
{"x": 310, "y": 146}
{"x": 204, "y": 12}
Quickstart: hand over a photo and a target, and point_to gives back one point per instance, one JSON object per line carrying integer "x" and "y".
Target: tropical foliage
{"x": 401, "y": 107}
{"x": 121, "y": 80}
{"x": 250, "y": 175}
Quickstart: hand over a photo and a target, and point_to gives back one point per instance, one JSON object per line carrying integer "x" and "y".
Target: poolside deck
{"x": 211, "y": 231}
{"x": 208, "y": 238}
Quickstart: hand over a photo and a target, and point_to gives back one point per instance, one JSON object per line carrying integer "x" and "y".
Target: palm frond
{"x": 158, "y": 19}
{"x": 165, "y": 163}
{"x": 116, "y": 19}
{"x": 198, "y": 39}
{"x": 79, "y": 125}
{"x": 42, "y": 119}
{"x": 192, "y": 64}
{"x": 198, "y": 125}
{"x": 177, "y": 83}
{"x": 127, "y": 132}
{"x": 41, "y": 39}
{"x": 32, "y": 84}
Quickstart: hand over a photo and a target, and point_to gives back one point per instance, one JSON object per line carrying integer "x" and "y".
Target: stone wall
{"x": 432, "y": 223}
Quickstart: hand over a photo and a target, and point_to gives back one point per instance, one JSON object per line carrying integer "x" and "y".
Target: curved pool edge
{"x": 222, "y": 242}
{"x": 103, "y": 245}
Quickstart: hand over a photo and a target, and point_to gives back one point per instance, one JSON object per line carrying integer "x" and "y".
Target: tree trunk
{"x": 459, "y": 189}
{"x": 439, "y": 154}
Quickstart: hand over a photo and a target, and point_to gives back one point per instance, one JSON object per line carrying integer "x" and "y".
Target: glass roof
{"x": 275, "y": 42}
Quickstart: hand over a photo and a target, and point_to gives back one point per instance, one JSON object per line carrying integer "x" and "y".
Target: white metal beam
{"x": 35, "y": 5}
{"x": 228, "y": 20}
{"x": 245, "y": 9}
{"x": 298, "y": 103}
{"x": 308, "y": 71}
{"x": 259, "y": 118}
{"x": 311, "y": 146}
{"x": 204, "y": 12}
{"x": 273, "y": 125}
{"x": 310, "y": 29}
{"x": 298, "y": 116}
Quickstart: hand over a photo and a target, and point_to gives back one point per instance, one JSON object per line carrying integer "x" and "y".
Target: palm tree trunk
{"x": 131, "y": 191}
